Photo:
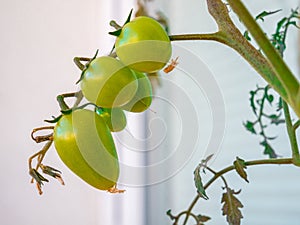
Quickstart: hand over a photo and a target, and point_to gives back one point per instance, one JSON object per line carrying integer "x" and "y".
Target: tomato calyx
{"x": 55, "y": 173}
{"x": 70, "y": 110}
{"x": 118, "y": 27}
{"x": 38, "y": 178}
{"x": 83, "y": 67}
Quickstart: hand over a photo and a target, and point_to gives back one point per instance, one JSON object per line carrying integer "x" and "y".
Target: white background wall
{"x": 38, "y": 42}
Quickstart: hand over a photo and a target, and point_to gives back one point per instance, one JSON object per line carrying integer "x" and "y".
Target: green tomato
{"x": 143, "y": 97}
{"x": 84, "y": 143}
{"x": 143, "y": 45}
{"x": 108, "y": 83}
{"x": 114, "y": 118}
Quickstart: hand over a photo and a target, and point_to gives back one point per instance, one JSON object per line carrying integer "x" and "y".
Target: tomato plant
{"x": 143, "y": 96}
{"x": 114, "y": 118}
{"x": 106, "y": 82}
{"x": 84, "y": 143}
{"x": 143, "y": 45}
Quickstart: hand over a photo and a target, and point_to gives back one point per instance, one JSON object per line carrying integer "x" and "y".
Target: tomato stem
{"x": 40, "y": 155}
{"x": 272, "y": 68}
{"x": 115, "y": 25}
{"x": 78, "y": 60}
{"x": 291, "y": 133}
{"x": 282, "y": 71}
{"x": 39, "y": 139}
{"x": 61, "y": 100}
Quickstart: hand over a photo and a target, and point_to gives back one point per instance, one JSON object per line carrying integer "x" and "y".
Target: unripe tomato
{"x": 143, "y": 97}
{"x": 84, "y": 143}
{"x": 114, "y": 118}
{"x": 108, "y": 83}
{"x": 143, "y": 45}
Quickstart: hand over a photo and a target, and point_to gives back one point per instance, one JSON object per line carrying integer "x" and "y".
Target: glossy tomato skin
{"x": 143, "y": 45}
{"x": 143, "y": 97}
{"x": 108, "y": 83}
{"x": 114, "y": 118}
{"x": 84, "y": 143}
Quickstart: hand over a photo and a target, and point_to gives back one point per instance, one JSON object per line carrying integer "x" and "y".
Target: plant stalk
{"x": 282, "y": 71}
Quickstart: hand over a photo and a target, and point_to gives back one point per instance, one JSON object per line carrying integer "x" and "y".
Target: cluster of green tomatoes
{"x": 111, "y": 84}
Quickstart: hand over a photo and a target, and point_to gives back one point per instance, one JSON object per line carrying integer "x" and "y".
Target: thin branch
{"x": 291, "y": 133}
{"x": 229, "y": 168}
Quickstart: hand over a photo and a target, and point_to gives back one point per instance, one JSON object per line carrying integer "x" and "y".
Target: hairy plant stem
{"x": 232, "y": 167}
{"x": 282, "y": 71}
{"x": 285, "y": 84}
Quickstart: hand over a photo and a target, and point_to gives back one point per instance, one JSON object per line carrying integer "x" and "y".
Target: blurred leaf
{"x": 198, "y": 182}
{"x": 264, "y": 14}
{"x": 250, "y": 127}
{"x": 239, "y": 165}
{"x": 252, "y": 101}
{"x": 202, "y": 219}
{"x": 204, "y": 162}
{"x": 170, "y": 214}
{"x": 246, "y": 35}
{"x": 231, "y": 207}
{"x": 268, "y": 150}
{"x": 279, "y": 104}
{"x": 270, "y": 98}
{"x": 37, "y": 176}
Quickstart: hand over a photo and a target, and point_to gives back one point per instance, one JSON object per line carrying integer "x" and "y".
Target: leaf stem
{"x": 296, "y": 125}
{"x": 187, "y": 37}
{"x": 61, "y": 99}
{"x": 291, "y": 133}
{"x": 232, "y": 167}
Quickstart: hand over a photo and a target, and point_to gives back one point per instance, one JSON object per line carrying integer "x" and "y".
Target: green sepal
{"x": 68, "y": 111}
{"x": 86, "y": 67}
{"x": 54, "y": 120}
{"x": 50, "y": 171}
{"x": 116, "y": 32}
{"x": 129, "y": 17}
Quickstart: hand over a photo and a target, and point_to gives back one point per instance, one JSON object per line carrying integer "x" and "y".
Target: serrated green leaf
{"x": 240, "y": 166}
{"x": 270, "y": 98}
{"x": 278, "y": 121}
{"x": 293, "y": 23}
{"x": 268, "y": 150}
{"x": 264, "y": 14}
{"x": 198, "y": 183}
{"x": 231, "y": 207}
{"x": 250, "y": 127}
{"x": 252, "y": 101}
{"x": 280, "y": 24}
{"x": 246, "y": 35}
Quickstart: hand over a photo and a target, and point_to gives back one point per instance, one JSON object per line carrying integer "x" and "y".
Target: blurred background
{"x": 198, "y": 109}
